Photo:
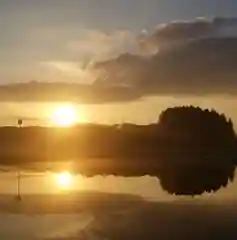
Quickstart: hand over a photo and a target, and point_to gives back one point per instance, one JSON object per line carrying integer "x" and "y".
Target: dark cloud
{"x": 171, "y": 34}
{"x": 193, "y": 57}
{"x": 202, "y": 66}
{"x": 58, "y": 92}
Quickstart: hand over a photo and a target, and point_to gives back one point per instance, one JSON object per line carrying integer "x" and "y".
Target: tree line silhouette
{"x": 189, "y": 149}
{"x": 202, "y": 154}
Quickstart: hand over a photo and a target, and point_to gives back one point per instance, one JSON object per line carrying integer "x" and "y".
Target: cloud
{"x": 66, "y": 92}
{"x": 178, "y": 32}
{"x": 77, "y": 71}
{"x": 91, "y": 46}
{"x": 99, "y": 45}
{"x": 194, "y": 57}
{"x": 205, "y": 66}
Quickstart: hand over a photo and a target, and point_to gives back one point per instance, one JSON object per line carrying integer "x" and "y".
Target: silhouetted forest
{"x": 189, "y": 149}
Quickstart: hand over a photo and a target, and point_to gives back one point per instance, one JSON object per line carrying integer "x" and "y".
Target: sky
{"x": 37, "y": 32}
{"x": 58, "y": 41}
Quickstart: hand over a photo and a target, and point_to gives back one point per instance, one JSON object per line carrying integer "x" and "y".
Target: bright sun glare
{"x": 64, "y": 116}
{"x": 64, "y": 180}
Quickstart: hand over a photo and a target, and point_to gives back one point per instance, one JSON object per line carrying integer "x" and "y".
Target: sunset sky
{"x": 58, "y": 41}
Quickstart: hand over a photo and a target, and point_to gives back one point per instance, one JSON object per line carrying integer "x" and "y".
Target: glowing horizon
{"x": 66, "y": 116}
{"x": 64, "y": 180}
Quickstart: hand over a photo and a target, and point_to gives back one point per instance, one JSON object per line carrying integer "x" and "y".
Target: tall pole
{"x": 18, "y": 197}
{"x": 19, "y": 186}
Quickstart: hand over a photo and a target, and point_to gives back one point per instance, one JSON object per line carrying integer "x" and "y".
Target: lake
{"x": 50, "y": 212}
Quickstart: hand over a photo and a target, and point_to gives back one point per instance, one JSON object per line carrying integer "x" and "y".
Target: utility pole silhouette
{"x": 18, "y": 197}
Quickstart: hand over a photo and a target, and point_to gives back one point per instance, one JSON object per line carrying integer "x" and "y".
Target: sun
{"x": 64, "y": 180}
{"x": 64, "y": 116}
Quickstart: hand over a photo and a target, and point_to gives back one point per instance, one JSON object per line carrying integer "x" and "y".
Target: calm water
{"x": 66, "y": 226}
{"x": 48, "y": 226}
{"x": 146, "y": 186}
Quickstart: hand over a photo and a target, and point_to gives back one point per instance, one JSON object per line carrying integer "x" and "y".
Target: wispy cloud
{"x": 100, "y": 45}
{"x": 77, "y": 71}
